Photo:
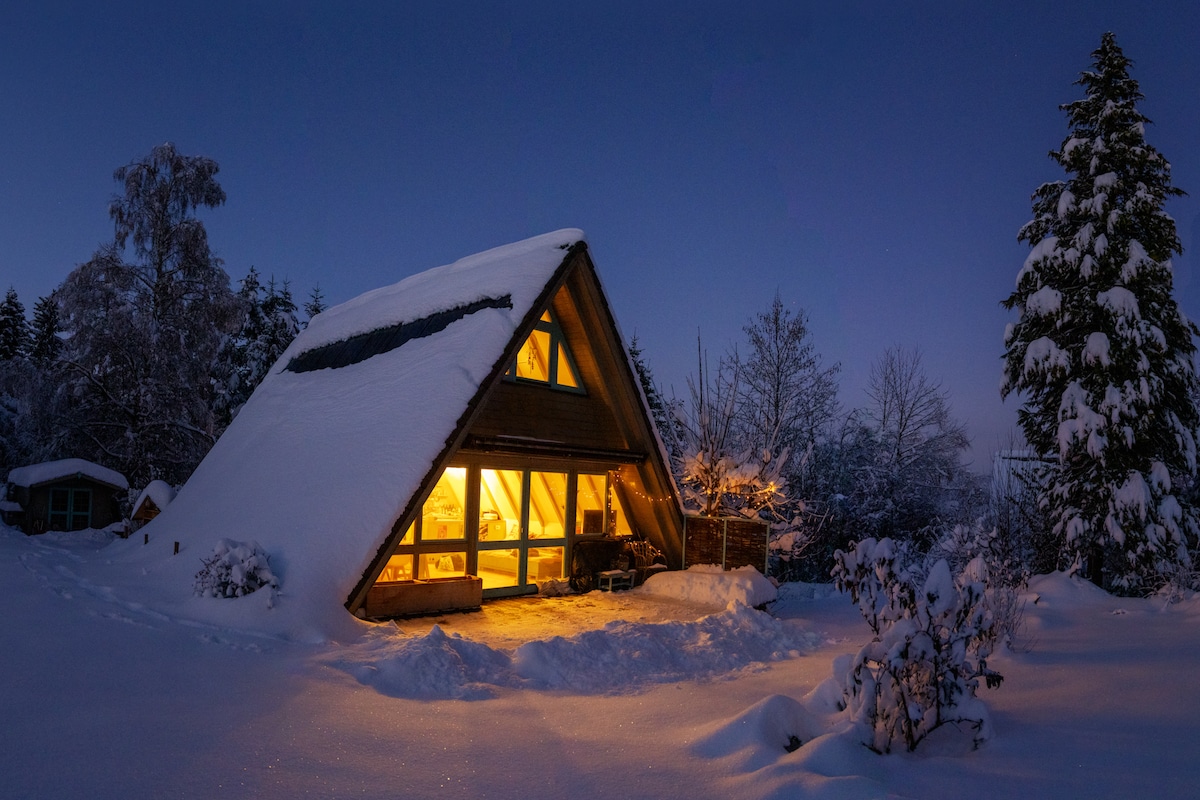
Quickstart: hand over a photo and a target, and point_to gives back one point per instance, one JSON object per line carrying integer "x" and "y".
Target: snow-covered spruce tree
{"x": 661, "y": 409}
{"x": 45, "y": 345}
{"x": 314, "y": 305}
{"x": 1102, "y": 353}
{"x": 269, "y": 326}
{"x": 14, "y": 329}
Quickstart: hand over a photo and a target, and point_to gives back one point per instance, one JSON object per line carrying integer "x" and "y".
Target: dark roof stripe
{"x": 363, "y": 346}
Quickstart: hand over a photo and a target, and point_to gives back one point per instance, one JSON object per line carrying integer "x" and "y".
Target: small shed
{"x": 70, "y": 494}
{"x": 150, "y": 502}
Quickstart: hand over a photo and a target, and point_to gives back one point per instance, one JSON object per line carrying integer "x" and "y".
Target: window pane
{"x": 442, "y": 515}
{"x": 589, "y": 504}
{"x": 441, "y": 565}
{"x": 59, "y": 502}
{"x": 547, "y": 505}
{"x": 565, "y": 375}
{"x": 533, "y": 361}
{"x": 498, "y": 568}
{"x": 399, "y": 568}
{"x": 618, "y": 520}
{"x": 544, "y": 563}
{"x": 500, "y": 504}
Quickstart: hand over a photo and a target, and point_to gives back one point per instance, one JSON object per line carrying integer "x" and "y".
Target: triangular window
{"x": 545, "y": 358}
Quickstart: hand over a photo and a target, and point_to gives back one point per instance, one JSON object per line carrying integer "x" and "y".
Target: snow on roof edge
{"x": 47, "y": 471}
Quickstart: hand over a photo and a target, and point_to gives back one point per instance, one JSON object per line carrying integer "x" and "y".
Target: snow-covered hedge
{"x": 235, "y": 569}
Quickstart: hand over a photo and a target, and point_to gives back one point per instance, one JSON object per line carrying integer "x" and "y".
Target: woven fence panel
{"x": 727, "y": 542}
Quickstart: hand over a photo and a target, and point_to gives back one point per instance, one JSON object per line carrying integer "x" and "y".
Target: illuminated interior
{"x": 520, "y": 533}
{"x": 590, "y": 504}
{"x": 618, "y": 520}
{"x": 499, "y": 527}
{"x": 442, "y": 520}
{"x": 545, "y": 358}
{"x": 443, "y": 516}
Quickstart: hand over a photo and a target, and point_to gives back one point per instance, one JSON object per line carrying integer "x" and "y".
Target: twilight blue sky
{"x": 870, "y": 161}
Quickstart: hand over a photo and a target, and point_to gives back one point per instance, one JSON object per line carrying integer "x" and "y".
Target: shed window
{"x": 70, "y": 510}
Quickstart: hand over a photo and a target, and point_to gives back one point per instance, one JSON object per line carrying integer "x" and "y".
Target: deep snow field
{"x": 679, "y": 691}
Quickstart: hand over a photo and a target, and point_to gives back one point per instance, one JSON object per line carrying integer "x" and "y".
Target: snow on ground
{"x": 107, "y": 693}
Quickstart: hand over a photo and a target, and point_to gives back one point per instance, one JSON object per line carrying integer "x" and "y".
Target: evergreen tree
{"x": 46, "y": 345}
{"x": 660, "y": 410}
{"x": 14, "y": 329}
{"x": 269, "y": 326}
{"x": 279, "y": 310}
{"x": 1101, "y": 352}
{"x": 315, "y": 304}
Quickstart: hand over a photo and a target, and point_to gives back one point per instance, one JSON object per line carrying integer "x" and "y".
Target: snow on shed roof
{"x": 320, "y": 462}
{"x": 37, "y": 474}
{"x": 160, "y": 493}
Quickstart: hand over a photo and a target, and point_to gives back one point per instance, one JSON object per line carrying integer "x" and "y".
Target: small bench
{"x": 612, "y": 579}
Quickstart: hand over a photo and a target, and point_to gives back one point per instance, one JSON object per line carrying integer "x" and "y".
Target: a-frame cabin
{"x": 557, "y": 446}
{"x": 462, "y": 431}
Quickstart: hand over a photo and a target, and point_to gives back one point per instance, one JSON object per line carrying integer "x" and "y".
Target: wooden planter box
{"x": 415, "y": 598}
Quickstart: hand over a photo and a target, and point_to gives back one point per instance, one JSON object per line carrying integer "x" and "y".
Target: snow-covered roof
{"x": 160, "y": 493}
{"x": 37, "y": 474}
{"x": 320, "y": 462}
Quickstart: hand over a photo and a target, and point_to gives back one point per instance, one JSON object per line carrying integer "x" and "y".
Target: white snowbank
{"x": 618, "y": 658}
{"x": 1095, "y": 703}
{"x": 708, "y": 583}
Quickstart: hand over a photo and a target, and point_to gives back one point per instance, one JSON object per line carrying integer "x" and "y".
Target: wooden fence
{"x": 729, "y": 542}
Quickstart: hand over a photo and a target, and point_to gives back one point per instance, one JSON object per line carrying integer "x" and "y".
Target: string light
{"x": 632, "y": 489}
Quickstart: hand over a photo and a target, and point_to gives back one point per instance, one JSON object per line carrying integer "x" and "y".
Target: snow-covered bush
{"x": 1007, "y": 570}
{"x": 787, "y": 549}
{"x": 235, "y": 569}
{"x": 932, "y": 639}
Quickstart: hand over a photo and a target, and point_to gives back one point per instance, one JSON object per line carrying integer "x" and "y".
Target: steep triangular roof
{"x": 351, "y": 422}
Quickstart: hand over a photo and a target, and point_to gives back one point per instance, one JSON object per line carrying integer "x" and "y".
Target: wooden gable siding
{"x": 646, "y": 489}
{"x": 539, "y": 412}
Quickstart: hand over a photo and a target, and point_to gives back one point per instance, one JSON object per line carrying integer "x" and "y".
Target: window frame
{"x": 69, "y": 514}
{"x": 558, "y": 345}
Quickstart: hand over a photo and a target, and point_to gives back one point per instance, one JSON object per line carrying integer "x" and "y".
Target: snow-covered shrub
{"x": 235, "y": 569}
{"x": 1181, "y": 583}
{"x": 932, "y": 639}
